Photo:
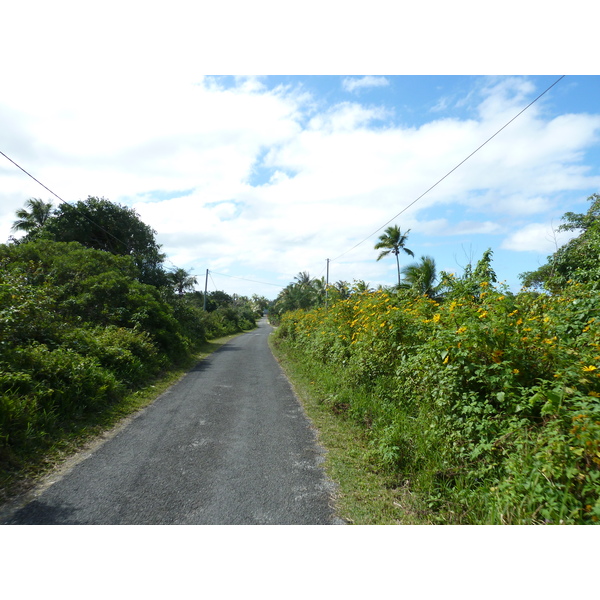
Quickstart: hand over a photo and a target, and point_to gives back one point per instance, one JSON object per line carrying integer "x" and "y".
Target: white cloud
{"x": 330, "y": 176}
{"x": 347, "y": 116}
{"x": 504, "y": 97}
{"x": 352, "y": 84}
{"x": 537, "y": 237}
{"x": 443, "y": 228}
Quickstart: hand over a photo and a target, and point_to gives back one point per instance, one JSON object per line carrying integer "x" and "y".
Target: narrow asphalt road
{"x": 228, "y": 444}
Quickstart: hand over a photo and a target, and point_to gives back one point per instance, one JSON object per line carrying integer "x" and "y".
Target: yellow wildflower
{"x": 590, "y": 368}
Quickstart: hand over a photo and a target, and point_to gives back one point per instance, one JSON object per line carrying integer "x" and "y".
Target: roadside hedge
{"x": 486, "y": 405}
{"x": 78, "y": 330}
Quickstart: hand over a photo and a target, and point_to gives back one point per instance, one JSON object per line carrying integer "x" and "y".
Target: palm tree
{"x": 181, "y": 281}
{"x": 361, "y": 287}
{"x": 319, "y": 286}
{"x": 342, "y": 289}
{"x": 33, "y": 216}
{"x": 393, "y": 241}
{"x": 303, "y": 278}
{"x": 422, "y": 276}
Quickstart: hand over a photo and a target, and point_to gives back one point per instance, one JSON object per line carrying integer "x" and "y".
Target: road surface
{"x": 228, "y": 444}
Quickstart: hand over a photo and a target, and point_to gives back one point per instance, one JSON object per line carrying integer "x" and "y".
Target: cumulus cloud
{"x": 235, "y": 174}
{"x": 353, "y": 84}
{"x": 537, "y": 237}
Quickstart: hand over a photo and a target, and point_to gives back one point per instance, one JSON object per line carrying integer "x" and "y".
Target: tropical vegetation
{"x": 391, "y": 242}
{"x": 88, "y": 315}
{"x": 481, "y": 405}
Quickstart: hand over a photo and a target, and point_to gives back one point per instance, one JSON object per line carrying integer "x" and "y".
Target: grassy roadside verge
{"x": 21, "y": 473}
{"x": 365, "y": 496}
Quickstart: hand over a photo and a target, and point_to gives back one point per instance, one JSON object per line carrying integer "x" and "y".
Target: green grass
{"x": 20, "y": 472}
{"x": 366, "y": 496}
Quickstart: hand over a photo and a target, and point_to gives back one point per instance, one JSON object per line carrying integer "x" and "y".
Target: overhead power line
{"x": 71, "y": 207}
{"x": 113, "y": 236}
{"x": 213, "y": 281}
{"x": 32, "y": 177}
{"x": 452, "y": 170}
{"x": 252, "y": 280}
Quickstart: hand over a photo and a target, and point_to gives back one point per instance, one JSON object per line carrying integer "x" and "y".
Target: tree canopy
{"x": 100, "y": 224}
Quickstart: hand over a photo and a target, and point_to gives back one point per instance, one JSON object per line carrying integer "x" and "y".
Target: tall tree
{"x": 33, "y": 216}
{"x": 104, "y": 225}
{"x": 422, "y": 276}
{"x": 392, "y": 241}
{"x": 182, "y": 281}
{"x": 320, "y": 290}
{"x": 303, "y": 278}
{"x": 260, "y": 304}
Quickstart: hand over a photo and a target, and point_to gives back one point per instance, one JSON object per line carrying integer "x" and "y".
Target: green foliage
{"x": 181, "y": 281}
{"x": 103, "y": 225}
{"x": 78, "y": 329}
{"x": 41, "y": 387}
{"x": 487, "y": 403}
{"x": 422, "y": 277}
{"x": 33, "y": 216}
{"x": 306, "y": 292}
{"x": 259, "y": 304}
{"x": 130, "y": 354}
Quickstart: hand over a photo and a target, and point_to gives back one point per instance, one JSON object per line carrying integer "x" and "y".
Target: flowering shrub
{"x": 488, "y": 402}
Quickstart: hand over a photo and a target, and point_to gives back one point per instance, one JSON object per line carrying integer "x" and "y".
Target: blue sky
{"x": 259, "y": 177}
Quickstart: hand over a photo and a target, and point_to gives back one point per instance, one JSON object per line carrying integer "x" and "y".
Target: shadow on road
{"x": 38, "y": 513}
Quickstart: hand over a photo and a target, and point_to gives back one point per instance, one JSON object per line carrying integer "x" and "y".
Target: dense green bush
{"x": 128, "y": 353}
{"x": 78, "y": 330}
{"x": 488, "y": 403}
{"x": 42, "y": 388}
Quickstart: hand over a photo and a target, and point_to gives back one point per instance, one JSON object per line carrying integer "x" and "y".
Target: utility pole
{"x": 327, "y": 287}
{"x": 205, "y": 289}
